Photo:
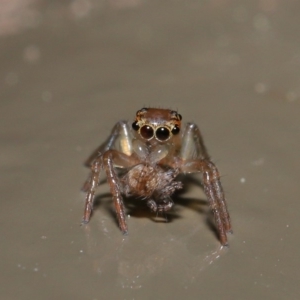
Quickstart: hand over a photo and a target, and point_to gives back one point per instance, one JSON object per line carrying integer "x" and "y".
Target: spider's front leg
{"x": 120, "y": 133}
{"x": 196, "y": 159}
{"x": 107, "y": 162}
{"x": 105, "y": 157}
{"x": 110, "y": 157}
{"x": 119, "y": 138}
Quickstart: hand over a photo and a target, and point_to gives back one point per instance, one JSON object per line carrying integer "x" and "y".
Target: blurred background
{"x": 71, "y": 69}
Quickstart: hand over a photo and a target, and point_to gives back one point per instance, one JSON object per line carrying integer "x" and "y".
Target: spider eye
{"x": 147, "y": 132}
{"x": 162, "y": 133}
{"x": 135, "y": 126}
{"x": 176, "y": 115}
{"x": 141, "y": 111}
{"x": 175, "y": 130}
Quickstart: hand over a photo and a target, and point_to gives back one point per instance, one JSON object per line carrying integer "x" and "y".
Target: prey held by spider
{"x": 152, "y": 151}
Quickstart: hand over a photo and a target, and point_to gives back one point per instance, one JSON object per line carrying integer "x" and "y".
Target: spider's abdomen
{"x": 141, "y": 180}
{"x": 146, "y": 180}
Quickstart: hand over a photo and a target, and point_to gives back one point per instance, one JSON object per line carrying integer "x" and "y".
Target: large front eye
{"x": 147, "y": 132}
{"x": 162, "y": 133}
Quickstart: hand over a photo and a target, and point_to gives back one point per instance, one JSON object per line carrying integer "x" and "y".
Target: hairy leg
{"x": 194, "y": 158}
{"x": 120, "y": 139}
{"x": 90, "y": 188}
{"x": 214, "y": 192}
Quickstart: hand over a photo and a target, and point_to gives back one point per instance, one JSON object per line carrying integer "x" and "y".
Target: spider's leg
{"x": 166, "y": 205}
{"x": 111, "y": 158}
{"x": 214, "y": 193}
{"x": 192, "y": 145}
{"x": 195, "y": 158}
{"x": 119, "y": 138}
{"x": 152, "y": 205}
{"x": 120, "y": 133}
{"x": 90, "y": 189}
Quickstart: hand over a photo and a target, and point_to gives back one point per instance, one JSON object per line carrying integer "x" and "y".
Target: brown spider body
{"x": 149, "y": 181}
{"x": 153, "y": 151}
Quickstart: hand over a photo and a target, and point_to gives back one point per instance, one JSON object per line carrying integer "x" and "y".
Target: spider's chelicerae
{"x": 154, "y": 150}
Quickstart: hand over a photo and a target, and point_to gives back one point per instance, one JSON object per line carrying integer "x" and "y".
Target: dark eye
{"x": 162, "y": 133}
{"x": 135, "y": 126}
{"x": 147, "y": 132}
{"x": 176, "y": 115}
{"x": 143, "y": 110}
{"x": 175, "y": 129}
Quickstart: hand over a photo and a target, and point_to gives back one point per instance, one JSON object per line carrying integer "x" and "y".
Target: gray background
{"x": 70, "y": 70}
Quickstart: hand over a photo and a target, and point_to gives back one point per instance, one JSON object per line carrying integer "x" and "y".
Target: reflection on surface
{"x": 141, "y": 257}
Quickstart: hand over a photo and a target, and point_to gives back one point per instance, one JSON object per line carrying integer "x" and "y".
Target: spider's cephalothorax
{"x": 152, "y": 151}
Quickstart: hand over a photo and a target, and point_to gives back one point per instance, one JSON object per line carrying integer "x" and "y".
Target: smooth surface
{"x": 70, "y": 71}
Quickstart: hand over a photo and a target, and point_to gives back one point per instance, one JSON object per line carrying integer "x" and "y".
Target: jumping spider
{"x": 153, "y": 151}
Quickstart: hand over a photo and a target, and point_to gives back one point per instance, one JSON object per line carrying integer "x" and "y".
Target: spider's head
{"x": 160, "y": 124}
